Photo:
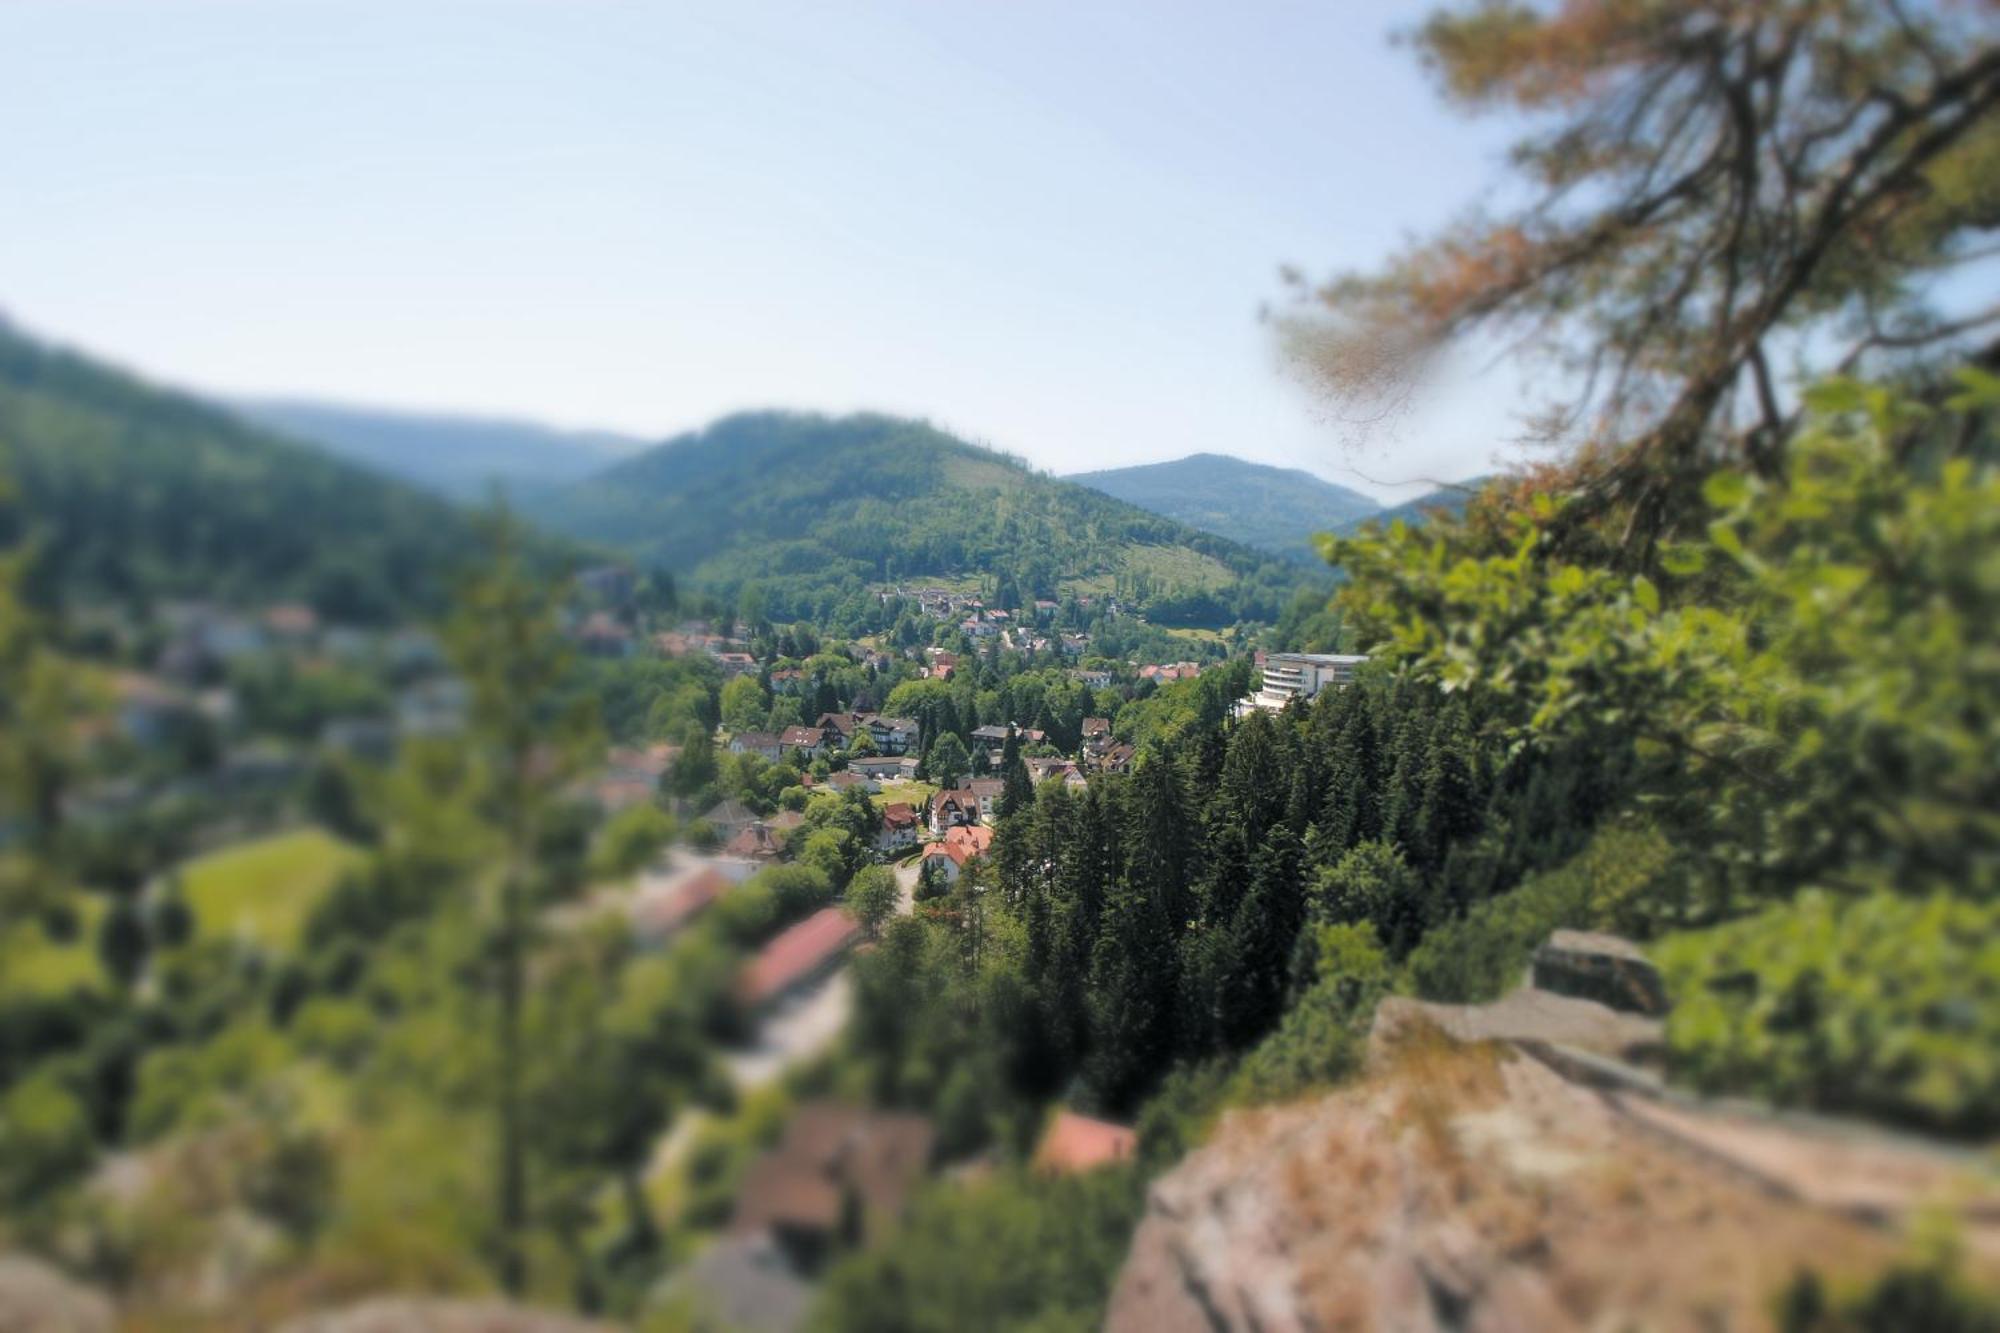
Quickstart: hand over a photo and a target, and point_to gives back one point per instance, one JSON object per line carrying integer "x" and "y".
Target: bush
{"x": 1483, "y": 953}
{"x": 1884, "y": 1005}
{"x": 1322, "y": 1037}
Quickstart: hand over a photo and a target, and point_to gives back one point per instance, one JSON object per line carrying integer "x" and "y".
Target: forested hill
{"x": 1271, "y": 508}
{"x": 1450, "y": 499}
{"x": 460, "y": 457}
{"x": 133, "y": 492}
{"x": 816, "y": 510}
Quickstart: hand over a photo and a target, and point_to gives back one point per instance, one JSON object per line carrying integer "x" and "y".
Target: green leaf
{"x": 1646, "y": 595}
{"x": 1726, "y": 490}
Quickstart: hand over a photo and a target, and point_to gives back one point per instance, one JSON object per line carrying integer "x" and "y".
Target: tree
{"x": 872, "y": 897}
{"x": 1017, "y": 792}
{"x": 1712, "y": 185}
{"x": 121, "y": 941}
{"x": 948, "y": 763}
{"x": 526, "y": 738}
{"x": 744, "y": 706}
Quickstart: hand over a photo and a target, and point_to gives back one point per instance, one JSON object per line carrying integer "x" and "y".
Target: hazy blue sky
{"x": 1048, "y": 226}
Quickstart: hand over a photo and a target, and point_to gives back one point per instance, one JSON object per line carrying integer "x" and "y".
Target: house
{"x": 884, "y": 768}
{"x": 986, "y": 791}
{"x": 798, "y": 957}
{"x": 1076, "y": 645}
{"x": 1168, "y": 673}
{"x": 978, "y": 629}
{"x": 893, "y": 735}
{"x": 150, "y": 711}
{"x": 951, "y": 809}
{"x": 764, "y": 743}
{"x": 839, "y": 728}
{"x": 1096, "y": 735}
{"x": 1115, "y": 758}
{"x": 1074, "y": 1143}
{"x": 601, "y": 636}
{"x": 1041, "y": 769}
{"x": 737, "y": 664}
{"x": 956, "y": 849}
{"x": 848, "y": 780}
{"x": 665, "y": 902}
{"x": 1097, "y": 678}
{"x": 435, "y": 707}
{"x": 837, "y": 1168}
{"x": 729, "y": 817}
{"x": 1289, "y": 677}
{"x": 745, "y": 1283}
{"x": 993, "y": 738}
{"x": 293, "y": 624}
{"x": 369, "y": 738}
{"x": 899, "y": 828}
{"x": 609, "y": 583}
{"x": 810, "y": 740}
{"x": 758, "y": 842}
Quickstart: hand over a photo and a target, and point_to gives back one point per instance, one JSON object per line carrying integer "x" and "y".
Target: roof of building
{"x": 661, "y": 907}
{"x": 896, "y": 814}
{"x": 1097, "y": 726}
{"x": 1075, "y": 1143}
{"x": 797, "y": 953}
{"x": 967, "y": 842}
{"x": 757, "y": 842}
{"x": 801, "y": 738}
{"x": 755, "y": 740}
{"x": 747, "y": 1283}
{"x": 829, "y": 1149}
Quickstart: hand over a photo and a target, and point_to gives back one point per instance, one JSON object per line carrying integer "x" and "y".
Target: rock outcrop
{"x": 416, "y": 1315}
{"x": 36, "y": 1297}
{"x": 1476, "y": 1185}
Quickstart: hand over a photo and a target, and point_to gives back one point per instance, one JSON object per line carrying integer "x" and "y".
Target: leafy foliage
{"x": 1886, "y": 1006}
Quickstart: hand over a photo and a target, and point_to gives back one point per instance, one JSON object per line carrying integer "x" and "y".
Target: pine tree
{"x": 1159, "y": 836}
{"x": 1261, "y": 935}
{"x": 1017, "y": 792}
{"x": 504, "y": 641}
{"x": 1131, "y": 998}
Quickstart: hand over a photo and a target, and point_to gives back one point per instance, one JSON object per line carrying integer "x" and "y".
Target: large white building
{"x": 1289, "y": 676}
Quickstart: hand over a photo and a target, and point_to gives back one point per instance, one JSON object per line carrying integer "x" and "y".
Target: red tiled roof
{"x": 1078, "y": 1143}
{"x": 896, "y": 814}
{"x": 962, "y": 844}
{"x": 797, "y": 953}
{"x": 664, "y": 912}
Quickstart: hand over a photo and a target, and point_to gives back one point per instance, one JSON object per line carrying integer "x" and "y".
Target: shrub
{"x": 1322, "y": 1037}
{"x": 1884, "y": 1005}
{"x": 1483, "y": 953}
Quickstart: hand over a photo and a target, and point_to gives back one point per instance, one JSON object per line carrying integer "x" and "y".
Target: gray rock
{"x": 36, "y": 1297}
{"x": 1592, "y": 966}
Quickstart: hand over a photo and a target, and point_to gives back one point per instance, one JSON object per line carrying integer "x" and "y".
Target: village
{"x": 244, "y": 735}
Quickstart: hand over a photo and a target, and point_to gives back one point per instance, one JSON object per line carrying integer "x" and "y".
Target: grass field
{"x": 263, "y": 891}
{"x": 917, "y": 794}
{"x": 33, "y": 964}
{"x": 1199, "y": 635}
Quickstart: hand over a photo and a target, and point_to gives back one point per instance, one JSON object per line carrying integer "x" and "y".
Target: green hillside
{"x": 1271, "y": 508}
{"x": 134, "y": 492}
{"x": 1450, "y": 499}
{"x": 816, "y": 510}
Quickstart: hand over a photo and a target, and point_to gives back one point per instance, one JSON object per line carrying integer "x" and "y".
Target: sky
{"x": 1049, "y": 227}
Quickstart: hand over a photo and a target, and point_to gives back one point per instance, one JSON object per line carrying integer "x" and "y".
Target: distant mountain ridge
{"x": 461, "y": 457}
{"x": 816, "y": 509}
{"x": 135, "y": 492}
{"x": 1450, "y": 499}
{"x": 1271, "y": 508}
